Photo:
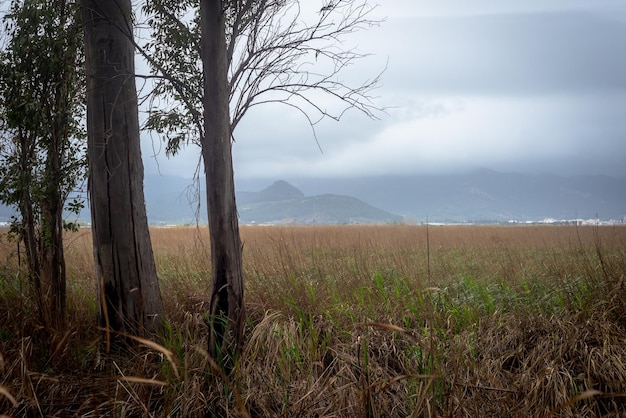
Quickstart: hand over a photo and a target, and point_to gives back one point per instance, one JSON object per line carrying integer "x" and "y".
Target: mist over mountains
{"x": 282, "y": 203}
{"x": 484, "y": 196}
{"x": 170, "y": 200}
{"x": 478, "y": 196}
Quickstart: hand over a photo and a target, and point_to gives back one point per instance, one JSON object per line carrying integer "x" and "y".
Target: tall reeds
{"x": 385, "y": 320}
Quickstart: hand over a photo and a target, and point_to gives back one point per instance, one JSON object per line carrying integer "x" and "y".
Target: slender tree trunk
{"x": 52, "y": 259}
{"x": 28, "y": 233}
{"x": 226, "y": 306}
{"x": 130, "y": 299}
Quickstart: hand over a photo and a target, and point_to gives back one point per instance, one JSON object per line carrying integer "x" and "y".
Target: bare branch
{"x": 278, "y": 51}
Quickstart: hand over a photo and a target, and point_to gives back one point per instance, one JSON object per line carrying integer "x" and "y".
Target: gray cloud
{"x": 506, "y": 54}
{"x": 516, "y": 86}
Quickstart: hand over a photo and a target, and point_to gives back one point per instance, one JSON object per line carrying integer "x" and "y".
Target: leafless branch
{"x": 280, "y": 53}
{"x": 276, "y": 54}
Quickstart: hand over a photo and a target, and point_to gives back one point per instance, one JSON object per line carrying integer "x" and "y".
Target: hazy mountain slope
{"x": 483, "y": 195}
{"x": 173, "y": 200}
{"x": 279, "y": 190}
{"x": 284, "y": 203}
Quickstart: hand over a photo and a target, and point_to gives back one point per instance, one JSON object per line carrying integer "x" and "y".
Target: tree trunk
{"x": 52, "y": 258}
{"x": 226, "y": 304}
{"x": 130, "y": 299}
{"x": 28, "y": 233}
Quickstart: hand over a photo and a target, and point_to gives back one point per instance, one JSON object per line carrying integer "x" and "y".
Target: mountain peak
{"x": 280, "y": 190}
{"x": 283, "y": 203}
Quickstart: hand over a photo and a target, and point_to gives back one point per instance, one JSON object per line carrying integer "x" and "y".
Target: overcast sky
{"x": 516, "y": 85}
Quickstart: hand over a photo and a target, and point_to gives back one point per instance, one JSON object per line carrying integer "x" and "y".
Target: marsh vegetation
{"x": 344, "y": 321}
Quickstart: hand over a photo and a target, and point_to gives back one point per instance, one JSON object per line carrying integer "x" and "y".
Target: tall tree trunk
{"x": 130, "y": 299}
{"x": 52, "y": 259}
{"x": 28, "y": 233}
{"x": 226, "y": 306}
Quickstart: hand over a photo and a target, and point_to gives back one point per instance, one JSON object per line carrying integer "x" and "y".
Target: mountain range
{"x": 477, "y": 196}
{"x": 283, "y": 203}
{"x": 484, "y": 195}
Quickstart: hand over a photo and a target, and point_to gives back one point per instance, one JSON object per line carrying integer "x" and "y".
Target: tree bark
{"x": 52, "y": 253}
{"x": 130, "y": 299}
{"x": 52, "y": 258}
{"x": 226, "y": 303}
{"x": 28, "y": 233}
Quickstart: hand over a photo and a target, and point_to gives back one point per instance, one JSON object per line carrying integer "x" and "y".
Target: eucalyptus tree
{"x": 212, "y": 61}
{"x": 226, "y": 308}
{"x": 129, "y": 295}
{"x": 42, "y": 159}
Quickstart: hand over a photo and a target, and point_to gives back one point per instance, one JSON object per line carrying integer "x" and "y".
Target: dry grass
{"x": 346, "y": 321}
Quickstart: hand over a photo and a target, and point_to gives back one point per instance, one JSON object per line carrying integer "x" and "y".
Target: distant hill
{"x": 173, "y": 200}
{"x": 280, "y": 190}
{"x": 283, "y": 203}
{"x": 478, "y": 196}
{"x": 483, "y": 195}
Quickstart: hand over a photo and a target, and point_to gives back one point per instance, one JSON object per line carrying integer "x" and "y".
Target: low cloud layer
{"x": 520, "y": 86}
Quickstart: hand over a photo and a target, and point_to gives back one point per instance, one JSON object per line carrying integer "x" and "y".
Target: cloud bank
{"x": 512, "y": 86}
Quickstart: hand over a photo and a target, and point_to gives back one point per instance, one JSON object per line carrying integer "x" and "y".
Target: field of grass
{"x": 345, "y": 321}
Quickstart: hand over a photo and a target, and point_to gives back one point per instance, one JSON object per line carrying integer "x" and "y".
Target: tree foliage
{"x": 176, "y": 96}
{"x": 276, "y": 52}
{"x": 42, "y": 153}
{"x": 42, "y": 98}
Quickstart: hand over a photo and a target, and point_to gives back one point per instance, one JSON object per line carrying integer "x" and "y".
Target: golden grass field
{"x": 345, "y": 321}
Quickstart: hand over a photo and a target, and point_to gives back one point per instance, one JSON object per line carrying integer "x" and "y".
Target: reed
{"x": 384, "y": 320}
